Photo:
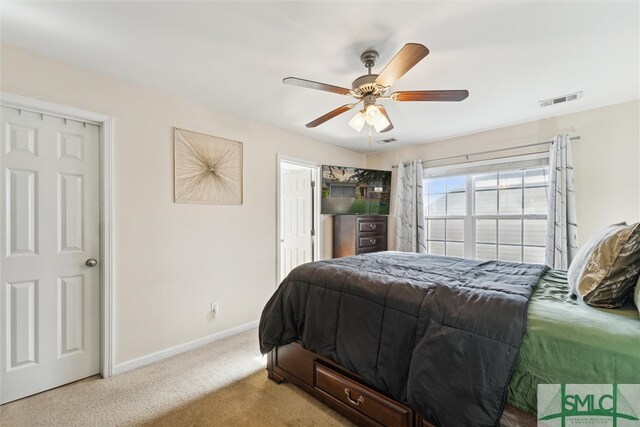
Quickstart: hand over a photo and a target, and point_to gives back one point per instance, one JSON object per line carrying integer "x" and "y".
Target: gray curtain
{"x": 561, "y": 242}
{"x": 410, "y": 236}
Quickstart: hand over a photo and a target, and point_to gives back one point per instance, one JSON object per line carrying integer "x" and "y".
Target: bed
{"x": 567, "y": 341}
{"x": 406, "y": 339}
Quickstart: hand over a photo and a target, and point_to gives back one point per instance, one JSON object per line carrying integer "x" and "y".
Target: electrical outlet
{"x": 214, "y": 309}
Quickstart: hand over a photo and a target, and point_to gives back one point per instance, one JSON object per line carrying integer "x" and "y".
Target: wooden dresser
{"x": 359, "y": 234}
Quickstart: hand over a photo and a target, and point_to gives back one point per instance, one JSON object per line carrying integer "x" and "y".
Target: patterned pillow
{"x": 606, "y": 268}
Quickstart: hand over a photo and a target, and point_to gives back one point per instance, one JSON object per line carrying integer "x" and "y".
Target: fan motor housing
{"x": 366, "y": 84}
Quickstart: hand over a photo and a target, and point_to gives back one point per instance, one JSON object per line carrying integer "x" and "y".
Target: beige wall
{"x": 606, "y": 166}
{"x": 172, "y": 259}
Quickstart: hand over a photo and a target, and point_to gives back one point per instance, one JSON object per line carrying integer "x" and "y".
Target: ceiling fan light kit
{"x": 381, "y": 124}
{"x": 371, "y": 88}
{"x": 358, "y": 121}
{"x": 372, "y": 114}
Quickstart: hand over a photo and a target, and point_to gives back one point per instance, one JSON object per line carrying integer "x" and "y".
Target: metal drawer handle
{"x": 373, "y": 226}
{"x": 373, "y": 241}
{"x": 354, "y": 402}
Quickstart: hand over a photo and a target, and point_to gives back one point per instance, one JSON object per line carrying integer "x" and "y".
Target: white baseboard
{"x": 181, "y": 348}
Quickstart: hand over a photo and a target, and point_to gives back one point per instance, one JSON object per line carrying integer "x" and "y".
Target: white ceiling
{"x": 233, "y": 56}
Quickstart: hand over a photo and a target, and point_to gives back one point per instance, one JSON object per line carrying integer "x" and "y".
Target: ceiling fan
{"x": 371, "y": 88}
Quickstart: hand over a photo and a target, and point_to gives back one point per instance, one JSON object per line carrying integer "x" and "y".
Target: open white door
{"x": 51, "y": 245}
{"x": 297, "y": 216}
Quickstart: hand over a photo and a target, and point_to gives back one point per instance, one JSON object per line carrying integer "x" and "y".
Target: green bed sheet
{"x": 567, "y": 341}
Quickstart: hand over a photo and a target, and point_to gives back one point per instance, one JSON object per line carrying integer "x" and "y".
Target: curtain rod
{"x": 573, "y": 138}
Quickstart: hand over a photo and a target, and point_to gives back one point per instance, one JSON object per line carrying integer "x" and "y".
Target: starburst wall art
{"x": 208, "y": 169}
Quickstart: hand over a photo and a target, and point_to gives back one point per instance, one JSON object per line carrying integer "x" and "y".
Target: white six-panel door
{"x": 49, "y": 301}
{"x": 296, "y": 195}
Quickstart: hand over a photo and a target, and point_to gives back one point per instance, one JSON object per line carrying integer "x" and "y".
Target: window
{"x": 446, "y": 211}
{"x": 496, "y": 214}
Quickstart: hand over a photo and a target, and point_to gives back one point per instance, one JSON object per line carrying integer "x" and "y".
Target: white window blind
{"x": 527, "y": 161}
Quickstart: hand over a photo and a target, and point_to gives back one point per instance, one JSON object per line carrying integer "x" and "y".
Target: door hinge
{"x": 313, "y": 232}
{"x": 313, "y": 184}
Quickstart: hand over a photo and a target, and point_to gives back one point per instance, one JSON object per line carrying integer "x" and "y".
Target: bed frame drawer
{"x": 360, "y": 398}
{"x": 326, "y": 380}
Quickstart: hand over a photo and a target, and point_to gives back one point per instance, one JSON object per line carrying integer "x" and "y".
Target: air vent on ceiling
{"x": 386, "y": 141}
{"x": 560, "y": 99}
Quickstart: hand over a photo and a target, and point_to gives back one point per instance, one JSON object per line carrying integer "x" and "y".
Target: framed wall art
{"x": 208, "y": 169}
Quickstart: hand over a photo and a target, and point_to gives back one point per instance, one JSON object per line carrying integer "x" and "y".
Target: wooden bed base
{"x": 348, "y": 394}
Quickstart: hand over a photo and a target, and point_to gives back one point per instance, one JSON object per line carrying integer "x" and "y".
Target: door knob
{"x": 91, "y": 262}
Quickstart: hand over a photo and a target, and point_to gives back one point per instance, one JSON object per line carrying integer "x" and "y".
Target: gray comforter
{"x": 441, "y": 334}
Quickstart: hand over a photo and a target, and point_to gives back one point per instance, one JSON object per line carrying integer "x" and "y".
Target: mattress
{"x": 567, "y": 341}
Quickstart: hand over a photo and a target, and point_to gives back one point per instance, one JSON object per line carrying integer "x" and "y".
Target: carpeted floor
{"x": 220, "y": 384}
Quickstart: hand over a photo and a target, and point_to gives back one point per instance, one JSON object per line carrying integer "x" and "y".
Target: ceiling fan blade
{"x": 330, "y": 115}
{"x": 430, "y": 95}
{"x": 315, "y": 85}
{"x": 405, "y": 59}
{"x": 384, "y": 113}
